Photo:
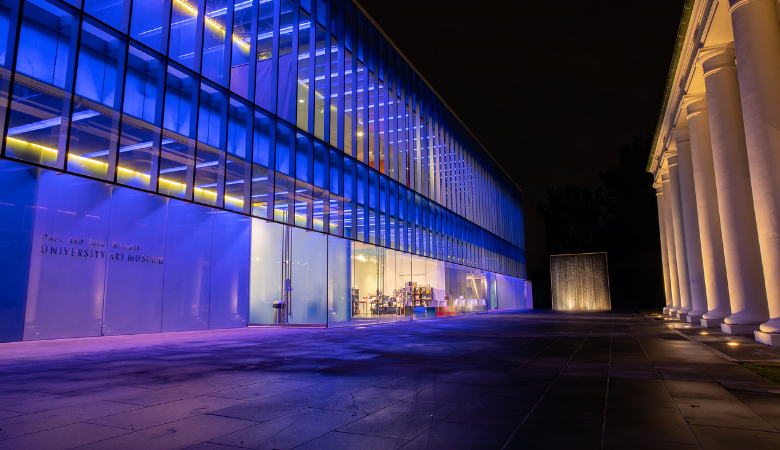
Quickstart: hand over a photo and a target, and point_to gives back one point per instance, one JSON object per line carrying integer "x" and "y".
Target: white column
{"x": 671, "y": 253}
{"x": 659, "y": 196}
{"x": 757, "y": 46}
{"x": 747, "y": 294}
{"x": 713, "y": 259}
{"x": 679, "y": 233}
{"x": 698, "y": 292}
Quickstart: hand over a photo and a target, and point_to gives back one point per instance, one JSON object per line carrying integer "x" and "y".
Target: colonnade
{"x": 718, "y": 185}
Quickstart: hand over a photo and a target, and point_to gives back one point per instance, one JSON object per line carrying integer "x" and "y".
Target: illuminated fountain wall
{"x": 580, "y": 282}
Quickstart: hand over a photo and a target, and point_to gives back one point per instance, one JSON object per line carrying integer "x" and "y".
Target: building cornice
{"x": 700, "y": 13}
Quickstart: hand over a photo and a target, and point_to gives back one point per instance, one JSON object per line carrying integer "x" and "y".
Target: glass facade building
{"x": 171, "y": 165}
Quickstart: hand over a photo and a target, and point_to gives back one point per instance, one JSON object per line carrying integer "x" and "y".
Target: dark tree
{"x": 621, "y": 219}
{"x": 631, "y": 231}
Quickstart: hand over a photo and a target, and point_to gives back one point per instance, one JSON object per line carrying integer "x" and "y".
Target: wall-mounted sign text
{"x": 75, "y": 247}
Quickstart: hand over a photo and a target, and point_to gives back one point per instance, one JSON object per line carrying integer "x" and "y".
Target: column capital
{"x": 680, "y": 135}
{"x": 671, "y": 150}
{"x": 693, "y": 104}
{"x": 716, "y": 58}
{"x": 658, "y": 185}
{"x": 734, "y": 4}
{"x": 669, "y": 158}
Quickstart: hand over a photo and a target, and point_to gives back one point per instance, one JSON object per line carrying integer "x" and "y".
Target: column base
{"x": 771, "y": 339}
{"x": 739, "y": 329}
{"x": 771, "y": 326}
{"x": 693, "y": 319}
{"x": 711, "y": 323}
{"x": 682, "y": 315}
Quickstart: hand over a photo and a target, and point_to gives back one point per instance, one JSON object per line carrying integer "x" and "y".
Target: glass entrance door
{"x": 289, "y": 273}
{"x": 389, "y": 303}
{"x": 307, "y": 272}
{"x": 365, "y": 286}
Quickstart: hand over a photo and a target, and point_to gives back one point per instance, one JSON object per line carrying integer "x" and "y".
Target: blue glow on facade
{"x": 296, "y": 112}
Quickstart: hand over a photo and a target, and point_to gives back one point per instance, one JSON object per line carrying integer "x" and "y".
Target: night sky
{"x": 552, "y": 89}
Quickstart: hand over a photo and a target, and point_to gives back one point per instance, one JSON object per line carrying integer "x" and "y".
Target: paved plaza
{"x": 488, "y": 381}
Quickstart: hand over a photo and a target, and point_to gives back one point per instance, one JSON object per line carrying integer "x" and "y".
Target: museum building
{"x": 171, "y": 165}
{"x": 716, "y": 164}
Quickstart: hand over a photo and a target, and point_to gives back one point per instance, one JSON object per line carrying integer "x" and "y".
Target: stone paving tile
{"x": 541, "y": 431}
{"x": 211, "y": 446}
{"x": 260, "y": 390}
{"x": 648, "y": 423}
{"x": 459, "y": 436}
{"x": 447, "y": 393}
{"x": 348, "y": 441}
{"x": 366, "y": 401}
{"x": 179, "y": 434}
{"x": 150, "y": 416}
{"x": 481, "y": 377}
{"x": 569, "y": 399}
{"x": 764, "y": 404}
{"x": 493, "y": 411}
{"x": 545, "y": 379}
{"x": 289, "y": 431}
{"x": 639, "y": 392}
{"x": 151, "y": 397}
{"x": 61, "y": 438}
{"x": 11, "y": 394}
{"x": 402, "y": 420}
{"x": 414, "y": 382}
{"x": 268, "y": 408}
{"x": 716, "y": 438}
{"x": 64, "y": 400}
{"x": 698, "y": 389}
{"x": 53, "y": 418}
{"x": 722, "y": 413}
{"x": 682, "y": 372}
{"x": 7, "y": 414}
{"x": 620, "y": 443}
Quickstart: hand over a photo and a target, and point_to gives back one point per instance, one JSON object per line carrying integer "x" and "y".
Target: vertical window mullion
{"x": 154, "y": 171}
{"x": 6, "y": 72}
{"x": 341, "y": 61}
{"x": 275, "y": 74}
{"x": 312, "y": 66}
{"x": 119, "y": 98}
{"x": 326, "y": 113}
{"x": 70, "y": 87}
{"x": 252, "y": 73}
{"x": 227, "y": 56}
{"x": 200, "y": 22}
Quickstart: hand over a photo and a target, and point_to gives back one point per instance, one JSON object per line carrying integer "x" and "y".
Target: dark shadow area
{"x": 620, "y": 218}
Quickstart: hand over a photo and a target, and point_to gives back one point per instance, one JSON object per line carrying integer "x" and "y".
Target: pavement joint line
{"x": 606, "y": 393}
{"x": 676, "y": 405}
{"x": 514, "y": 433}
{"x": 697, "y": 342}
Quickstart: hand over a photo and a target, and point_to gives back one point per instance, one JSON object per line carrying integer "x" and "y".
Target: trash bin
{"x": 280, "y": 309}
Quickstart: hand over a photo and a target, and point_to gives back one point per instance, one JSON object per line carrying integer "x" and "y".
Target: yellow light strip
{"x": 213, "y": 23}
{"x": 237, "y": 201}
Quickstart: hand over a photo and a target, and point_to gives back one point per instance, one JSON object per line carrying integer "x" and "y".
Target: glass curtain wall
{"x": 298, "y": 112}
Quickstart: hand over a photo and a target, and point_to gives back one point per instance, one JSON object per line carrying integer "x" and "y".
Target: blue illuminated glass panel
{"x": 94, "y": 125}
{"x": 180, "y": 98}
